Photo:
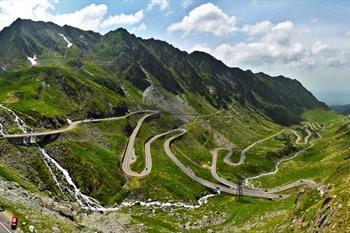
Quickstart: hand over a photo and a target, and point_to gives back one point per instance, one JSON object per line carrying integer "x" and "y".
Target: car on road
{"x": 14, "y": 223}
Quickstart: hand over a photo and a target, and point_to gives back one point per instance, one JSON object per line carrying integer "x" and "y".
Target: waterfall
{"x": 84, "y": 201}
{"x": 2, "y": 130}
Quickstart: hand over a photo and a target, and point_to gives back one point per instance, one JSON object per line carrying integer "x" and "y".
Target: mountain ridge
{"x": 144, "y": 62}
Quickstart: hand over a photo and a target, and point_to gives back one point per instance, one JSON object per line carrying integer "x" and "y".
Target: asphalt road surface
{"x": 71, "y": 126}
{"x": 5, "y": 222}
{"x": 130, "y": 157}
{"x": 297, "y": 183}
{"x": 206, "y": 183}
{"x": 275, "y": 190}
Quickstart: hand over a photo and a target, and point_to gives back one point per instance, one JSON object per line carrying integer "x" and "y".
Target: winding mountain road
{"x": 275, "y": 190}
{"x": 291, "y": 185}
{"x": 242, "y": 158}
{"x": 130, "y": 157}
{"x": 71, "y": 126}
{"x": 214, "y": 165}
{"x": 228, "y": 161}
{"x": 223, "y": 185}
{"x": 206, "y": 183}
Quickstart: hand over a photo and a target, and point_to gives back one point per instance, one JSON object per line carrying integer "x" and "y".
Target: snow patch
{"x": 69, "y": 44}
{"x": 33, "y": 60}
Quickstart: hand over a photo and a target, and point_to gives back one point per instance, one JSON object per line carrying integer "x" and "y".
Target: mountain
{"x": 52, "y": 75}
{"x": 154, "y": 65}
{"x": 25, "y": 38}
{"x": 342, "y": 109}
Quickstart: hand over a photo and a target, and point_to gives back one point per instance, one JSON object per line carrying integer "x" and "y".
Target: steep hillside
{"x": 280, "y": 98}
{"x": 153, "y": 63}
{"x": 45, "y": 95}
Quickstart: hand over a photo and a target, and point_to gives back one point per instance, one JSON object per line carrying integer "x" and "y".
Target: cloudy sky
{"x": 304, "y": 40}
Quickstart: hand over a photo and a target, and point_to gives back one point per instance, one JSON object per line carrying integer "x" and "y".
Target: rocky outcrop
{"x": 70, "y": 214}
{"x": 324, "y": 215}
{"x": 333, "y": 216}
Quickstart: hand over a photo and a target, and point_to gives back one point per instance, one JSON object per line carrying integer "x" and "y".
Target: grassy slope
{"x": 97, "y": 162}
{"x": 38, "y": 92}
{"x": 161, "y": 183}
{"x": 259, "y": 159}
{"x": 227, "y": 123}
{"x": 327, "y": 159}
{"x": 316, "y": 163}
{"x": 167, "y": 181}
{"x": 319, "y": 115}
{"x": 15, "y": 176}
{"x": 96, "y": 167}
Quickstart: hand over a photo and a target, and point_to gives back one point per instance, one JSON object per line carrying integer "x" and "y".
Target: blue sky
{"x": 304, "y": 40}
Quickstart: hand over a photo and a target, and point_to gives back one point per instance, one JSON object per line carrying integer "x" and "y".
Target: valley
{"x": 225, "y": 186}
{"x": 115, "y": 133}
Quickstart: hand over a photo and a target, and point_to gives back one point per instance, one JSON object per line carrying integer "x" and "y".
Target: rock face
{"x": 324, "y": 215}
{"x": 171, "y": 103}
{"x": 43, "y": 205}
{"x": 110, "y": 223}
{"x": 332, "y": 216}
{"x": 47, "y": 122}
{"x": 66, "y": 212}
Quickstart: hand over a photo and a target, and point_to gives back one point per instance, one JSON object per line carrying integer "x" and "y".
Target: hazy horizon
{"x": 333, "y": 99}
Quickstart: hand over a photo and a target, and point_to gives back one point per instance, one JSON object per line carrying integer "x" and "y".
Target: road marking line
{"x": 5, "y": 227}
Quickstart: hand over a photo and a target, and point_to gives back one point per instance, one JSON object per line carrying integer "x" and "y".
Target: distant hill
{"x": 342, "y": 109}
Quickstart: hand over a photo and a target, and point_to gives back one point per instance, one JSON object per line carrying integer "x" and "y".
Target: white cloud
{"x": 11, "y": 10}
{"x": 279, "y": 44}
{"x": 87, "y": 18}
{"x": 206, "y": 18}
{"x": 318, "y": 47}
{"x": 162, "y": 4}
{"x": 139, "y": 28}
{"x": 123, "y": 19}
{"x": 257, "y": 29}
{"x": 186, "y": 3}
{"x": 91, "y": 17}
{"x": 347, "y": 33}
